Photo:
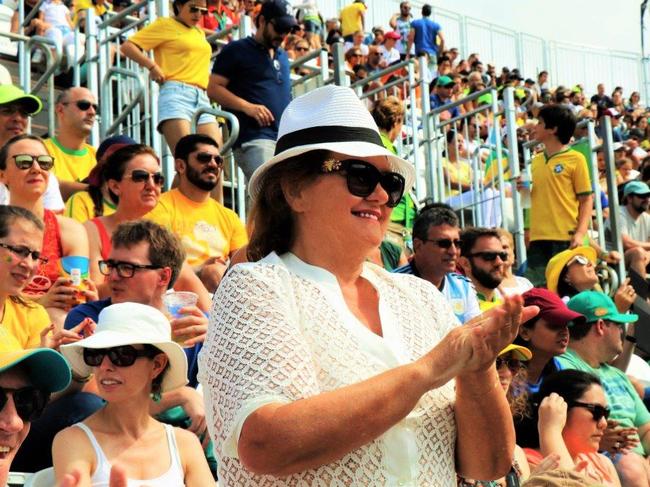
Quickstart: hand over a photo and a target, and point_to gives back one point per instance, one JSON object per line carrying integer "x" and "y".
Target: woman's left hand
{"x": 625, "y": 296}
{"x": 193, "y": 326}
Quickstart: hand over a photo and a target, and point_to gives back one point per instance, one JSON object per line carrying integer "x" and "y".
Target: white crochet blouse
{"x": 280, "y": 331}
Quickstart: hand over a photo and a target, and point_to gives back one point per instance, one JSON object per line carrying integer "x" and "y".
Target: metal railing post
{"x": 427, "y": 126}
{"x": 340, "y": 78}
{"x": 91, "y": 66}
{"x": 415, "y": 137}
{"x": 324, "y": 67}
{"x": 498, "y": 149}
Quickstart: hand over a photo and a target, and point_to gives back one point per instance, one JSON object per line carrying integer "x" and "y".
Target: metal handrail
{"x": 380, "y": 74}
{"x": 232, "y": 119}
{"x": 134, "y": 101}
{"x": 212, "y": 38}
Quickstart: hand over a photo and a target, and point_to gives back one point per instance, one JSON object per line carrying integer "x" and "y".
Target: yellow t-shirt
{"x": 24, "y": 323}
{"x": 206, "y": 229}
{"x": 80, "y": 207}
{"x": 69, "y": 164}
{"x": 351, "y": 18}
{"x": 182, "y": 52}
{"x": 460, "y": 171}
{"x": 556, "y": 184}
{"x": 85, "y": 5}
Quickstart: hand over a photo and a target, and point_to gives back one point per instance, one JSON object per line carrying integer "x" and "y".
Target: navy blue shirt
{"x": 93, "y": 308}
{"x": 426, "y": 31}
{"x": 437, "y": 102}
{"x": 255, "y": 77}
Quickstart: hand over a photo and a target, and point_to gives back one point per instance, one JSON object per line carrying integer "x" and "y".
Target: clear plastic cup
{"x": 174, "y": 301}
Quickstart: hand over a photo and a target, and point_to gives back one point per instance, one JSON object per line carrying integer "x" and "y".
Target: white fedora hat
{"x": 330, "y": 118}
{"x": 132, "y": 324}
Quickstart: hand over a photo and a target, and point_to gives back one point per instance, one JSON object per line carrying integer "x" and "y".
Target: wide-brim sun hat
{"x": 46, "y": 369}
{"x": 132, "y": 324}
{"x": 330, "y": 118}
{"x": 558, "y": 261}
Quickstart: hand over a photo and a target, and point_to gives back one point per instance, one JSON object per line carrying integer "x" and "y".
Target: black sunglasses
{"x": 206, "y": 158}
{"x": 28, "y": 401}
{"x": 122, "y": 356}
{"x": 491, "y": 256}
{"x": 142, "y": 176}
{"x": 26, "y": 161}
{"x": 597, "y": 411}
{"x": 362, "y": 179}
{"x": 444, "y": 243}
{"x": 83, "y": 105}
{"x": 512, "y": 363}
{"x": 23, "y": 252}
{"x": 124, "y": 269}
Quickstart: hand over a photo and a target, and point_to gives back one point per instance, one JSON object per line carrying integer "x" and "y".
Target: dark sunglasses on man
{"x": 207, "y": 158}
{"x": 83, "y": 105}
{"x": 489, "y": 256}
{"x": 444, "y": 243}
{"x": 28, "y": 401}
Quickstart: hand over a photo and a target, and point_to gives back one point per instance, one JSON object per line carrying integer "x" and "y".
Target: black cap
{"x": 280, "y": 12}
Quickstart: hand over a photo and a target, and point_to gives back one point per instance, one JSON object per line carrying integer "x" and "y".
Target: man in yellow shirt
{"x": 482, "y": 257}
{"x": 76, "y": 109}
{"x": 561, "y": 196}
{"x": 210, "y": 233}
{"x": 352, "y": 19}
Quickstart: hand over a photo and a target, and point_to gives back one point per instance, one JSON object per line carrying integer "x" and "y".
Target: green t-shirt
{"x": 626, "y": 405}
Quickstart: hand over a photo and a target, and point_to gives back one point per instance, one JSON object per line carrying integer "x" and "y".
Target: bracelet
{"x": 630, "y": 338}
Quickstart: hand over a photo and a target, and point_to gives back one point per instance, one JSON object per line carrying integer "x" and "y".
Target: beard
{"x": 486, "y": 279}
{"x": 194, "y": 177}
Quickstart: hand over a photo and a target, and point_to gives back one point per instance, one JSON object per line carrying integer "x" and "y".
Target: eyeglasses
{"x": 362, "y": 179}
{"x": 142, "y": 176}
{"x": 206, "y": 158}
{"x": 9, "y": 110}
{"x": 194, "y": 9}
{"x": 23, "y": 252}
{"x": 124, "y": 269}
{"x": 83, "y": 105}
{"x": 26, "y": 161}
{"x": 122, "y": 356}
{"x": 302, "y": 49}
{"x": 597, "y": 411}
{"x": 28, "y": 401}
{"x": 491, "y": 256}
{"x": 579, "y": 259}
{"x": 641, "y": 196}
{"x": 444, "y": 243}
{"x": 512, "y": 363}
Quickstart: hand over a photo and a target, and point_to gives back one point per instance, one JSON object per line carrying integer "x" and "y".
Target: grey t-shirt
{"x": 638, "y": 229}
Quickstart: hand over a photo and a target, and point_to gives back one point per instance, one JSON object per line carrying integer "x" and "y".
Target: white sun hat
{"x": 132, "y": 324}
{"x": 330, "y": 118}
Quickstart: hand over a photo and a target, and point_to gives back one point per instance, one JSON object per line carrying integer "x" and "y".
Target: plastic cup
{"x": 175, "y": 301}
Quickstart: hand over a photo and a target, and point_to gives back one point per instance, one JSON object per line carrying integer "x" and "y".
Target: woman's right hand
{"x": 552, "y": 413}
{"x": 60, "y": 295}
{"x": 156, "y": 74}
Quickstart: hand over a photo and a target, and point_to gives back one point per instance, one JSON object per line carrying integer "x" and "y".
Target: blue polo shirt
{"x": 93, "y": 308}
{"x": 256, "y": 78}
{"x": 437, "y": 102}
{"x": 457, "y": 290}
{"x": 426, "y": 31}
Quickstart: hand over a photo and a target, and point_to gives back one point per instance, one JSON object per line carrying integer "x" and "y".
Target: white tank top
{"x": 174, "y": 477}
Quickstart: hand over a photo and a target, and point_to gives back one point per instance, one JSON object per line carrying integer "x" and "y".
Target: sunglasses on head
{"x": 444, "y": 243}
{"x": 23, "y": 252}
{"x": 26, "y": 161}
{"x": 122, "y": 356}
{"x": 580, "y": 259}
{"x": 207, "y": 158}
{"x": 597, "y": 411}
{"x": 142, "y": 176}
{"x": 28, "y": 401}
{"x": 83, "y": 105}
{"x": 194, "y": 9}
{"x": 512, "y": 363}
{"x": 362, "y": 179}
{"x": 491, "y": 256}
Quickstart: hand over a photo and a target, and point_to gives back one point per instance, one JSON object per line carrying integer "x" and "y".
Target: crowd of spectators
{"x": 90, "y": 243}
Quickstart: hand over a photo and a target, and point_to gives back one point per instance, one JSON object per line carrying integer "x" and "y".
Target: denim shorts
{"x": 178, "y": 100}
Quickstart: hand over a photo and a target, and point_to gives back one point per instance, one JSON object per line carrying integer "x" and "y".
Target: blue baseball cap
{"x": 636, "y": 187}
{"x": 281, "y": 13}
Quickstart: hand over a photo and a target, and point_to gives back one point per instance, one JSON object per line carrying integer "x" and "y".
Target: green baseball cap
{"x": 594, "y": 306}
{"x": 12, "y": 94}
{"x": 445, "y": 81}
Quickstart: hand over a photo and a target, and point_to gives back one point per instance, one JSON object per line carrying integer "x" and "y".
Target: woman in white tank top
{"x": 133, "y": 359}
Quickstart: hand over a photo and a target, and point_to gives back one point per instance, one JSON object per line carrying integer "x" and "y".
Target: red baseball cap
{"x": 551, "y": 306}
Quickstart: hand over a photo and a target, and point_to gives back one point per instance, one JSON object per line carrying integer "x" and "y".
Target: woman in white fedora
{"x": 133, "y": 358}
{"x": 322, "y": 369}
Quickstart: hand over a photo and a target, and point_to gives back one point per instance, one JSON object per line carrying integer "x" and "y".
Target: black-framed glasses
{"x": 513, "y": 364}
{"x": 28, "y": 401}
{"x": 83, "y": 105}
{"x": 124, "y": 269}
{"x": 491, "y": 256}
{"x": 9, "y": 110}
{"x": 207, "y": 158}
{"x": 597, "y": 411}
{"x": 445, "y": 243}
{"x": 26, "y": 161}
{"x": 122, "y": 356}
{"x": 194, "y": 9}
{"x": 362, "y": 179}
{"x": 23, "y": 252}
{"x": 578, "y": 259}
{"x": 142, "y": 176}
